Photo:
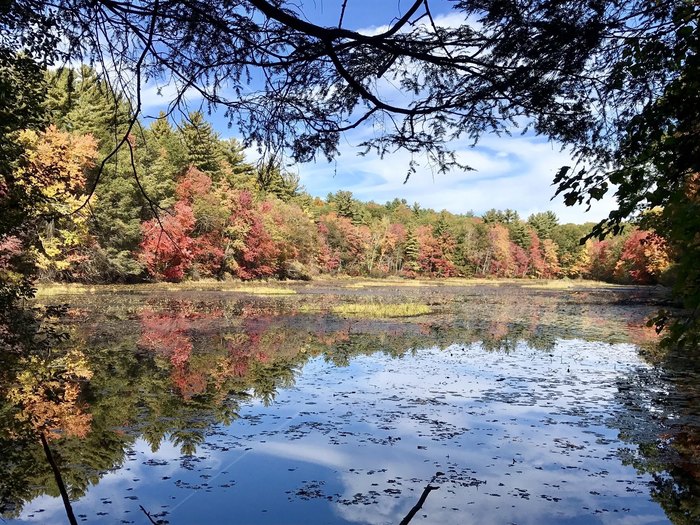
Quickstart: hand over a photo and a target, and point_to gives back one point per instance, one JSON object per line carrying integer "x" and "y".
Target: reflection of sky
{"x": 519, "y": 437}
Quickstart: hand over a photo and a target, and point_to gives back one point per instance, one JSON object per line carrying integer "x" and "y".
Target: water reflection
{"x": 659, "y": 420}
{"x": 200, "y": 409}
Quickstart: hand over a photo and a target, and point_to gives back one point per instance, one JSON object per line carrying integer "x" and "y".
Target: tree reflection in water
{"x": 661, "y": 424}
{"x": 171, "y": 369}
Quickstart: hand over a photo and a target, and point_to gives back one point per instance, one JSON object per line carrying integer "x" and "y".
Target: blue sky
{"x": 513, "y": 172}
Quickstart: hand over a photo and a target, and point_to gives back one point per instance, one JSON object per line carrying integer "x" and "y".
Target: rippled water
{"x": 241, "y": 410}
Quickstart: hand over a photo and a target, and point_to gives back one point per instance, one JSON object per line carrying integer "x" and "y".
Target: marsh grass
{"x": 566, "y": 284}
{"x": 45, "y": 291}
{"x": 260, "y": 290}
{"x": 50, "y": 290}
{"x": 253, "y": 288}
{"x": 403, "y": 283}
{"x": 378, "y": 310}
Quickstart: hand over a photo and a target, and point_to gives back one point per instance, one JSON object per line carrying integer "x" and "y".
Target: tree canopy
{"x": 579, "y": 70}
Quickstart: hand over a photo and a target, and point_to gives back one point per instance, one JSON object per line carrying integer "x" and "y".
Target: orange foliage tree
{"x": 643, "y": 259}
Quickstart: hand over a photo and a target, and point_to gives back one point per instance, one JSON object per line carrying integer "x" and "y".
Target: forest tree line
{"x": 180, "y": 202}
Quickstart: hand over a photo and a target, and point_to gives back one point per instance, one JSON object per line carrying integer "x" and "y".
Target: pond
{"x": 494, "y": 405}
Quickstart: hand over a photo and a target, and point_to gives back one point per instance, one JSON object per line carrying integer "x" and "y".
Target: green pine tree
{"x": 204, "y": 149}
{"x": 79, "y": 100}
{"x": 162, "y": 159}
{"x": 240, "y": 174}
{"x": 411, "y": 250}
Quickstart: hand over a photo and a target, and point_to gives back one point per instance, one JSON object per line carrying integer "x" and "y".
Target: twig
{"x": 427, "y": 490}
{"x": 148, "y": 515}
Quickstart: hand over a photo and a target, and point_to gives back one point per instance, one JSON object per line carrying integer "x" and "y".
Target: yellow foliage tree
{"x": 54, "y": 172}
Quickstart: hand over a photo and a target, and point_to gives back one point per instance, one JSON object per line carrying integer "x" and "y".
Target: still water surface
{"x": 518, "y": 406}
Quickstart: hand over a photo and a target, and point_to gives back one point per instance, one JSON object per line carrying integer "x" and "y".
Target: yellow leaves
{"x": 47, "y": 393}
{"x": 52, "y": 175}
{"x": 55, "y": 162}
{"x": 582, "y": 263}
{"x": 51, "y": 247}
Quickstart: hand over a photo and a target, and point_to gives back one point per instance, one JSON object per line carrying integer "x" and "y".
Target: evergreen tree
{"x": 493, "y": 216}
{"x": 519, "y": 234}
{"x": 273, "y": 180}
{"x": 411, "y": 252}
{"x": 543, "y": 223}
{"x": 240, "y": 174}
{"x": 117, "y": 209}
{"x": 441, "y": 228}
{"x": 204, "y": 150}
{"x": 80, "y": 101}
{"x": 162, "y": 159}
{"x": 346, "y": 206}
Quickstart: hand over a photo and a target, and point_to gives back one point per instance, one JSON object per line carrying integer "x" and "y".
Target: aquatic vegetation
{"x": 378, "y": 310}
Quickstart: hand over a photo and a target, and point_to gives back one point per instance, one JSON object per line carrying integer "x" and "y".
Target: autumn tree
{"x": 434, "y": 253}
{"x": 499, "y": 260}
{"x": 56, "y": 164}
{"x": 250, "y": 251}
{"x": 296, "y": 238}
{"x": 643, "y": 259}
{"x": 535, "y": 253}
{"x": 552, "y": 268}
{"x": 166, "y": 249}
{"x": 350, "y": 242}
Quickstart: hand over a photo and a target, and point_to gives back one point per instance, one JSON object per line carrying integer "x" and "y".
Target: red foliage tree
{"x": 167, "y": 247}
{"x": 521, "y": 262}
{"x": 433, "y": 253}
{"x": 390, "y": 257}
{"x": 251, "y": 251}
{"x": 193, "y": 184}
{"x": 259, "y": 254}
{"x": 328, "y": 259}
{"x": 602, "y": 260}
{"x": 348, "y": 241}
{"x": 537, "y": 266}
{"x": 643, "y": 259}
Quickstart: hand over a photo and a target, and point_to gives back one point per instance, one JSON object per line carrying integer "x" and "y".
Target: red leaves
{"x": 167, "y": 248}
{"x": 434, "y": 253}
{"x": 213, "y": 229}
{"x": 193, "y": 184}
{"x": 644, "y": 258}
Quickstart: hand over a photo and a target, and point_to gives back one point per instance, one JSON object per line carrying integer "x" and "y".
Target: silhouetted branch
{"x": 148, "y": 515}
{"x": 427, "y": 490}
{"x": 59, "y": 480}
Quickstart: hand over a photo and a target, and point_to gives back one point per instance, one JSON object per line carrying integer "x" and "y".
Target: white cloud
{"x": 510, "y": 172}
{"x": 158, "y": 95}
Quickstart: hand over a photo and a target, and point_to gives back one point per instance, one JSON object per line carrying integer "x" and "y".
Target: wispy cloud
{"x": 510, "y": 172}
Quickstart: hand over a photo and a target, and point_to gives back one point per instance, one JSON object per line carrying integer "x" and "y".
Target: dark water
{"x": 516, "y": 405}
